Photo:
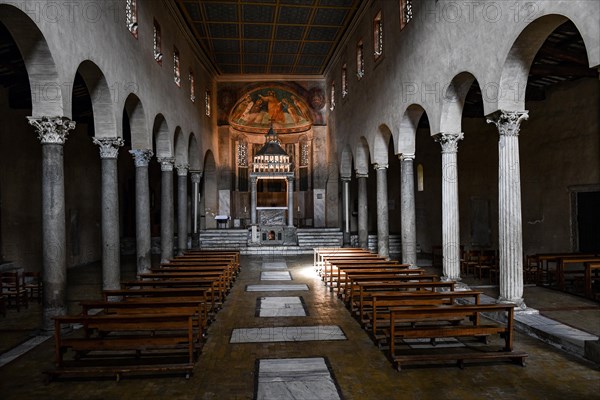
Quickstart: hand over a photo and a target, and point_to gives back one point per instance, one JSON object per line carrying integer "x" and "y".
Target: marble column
{"x": 290, "y": 195}
{"x": 383, "y": 231}
{"x": 52, "y": 133}
{"x": 408, "y": 226}
{"x": 196, "y": 176}
{"x": 111, "y": 246}
{"x": 182, "y": 211}
{"x": 346, "y": 206}
{"x": 510, "y": 228}
{"x": 363, "y": 211}
{"x": 253, "y": 181}
{"x": 166, "y": 209}
{"x": 450, "y": 221}
{"x": 143, "y": 235}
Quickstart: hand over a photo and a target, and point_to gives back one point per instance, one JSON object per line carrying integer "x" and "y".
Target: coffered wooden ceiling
{"x": 268, "y": 36}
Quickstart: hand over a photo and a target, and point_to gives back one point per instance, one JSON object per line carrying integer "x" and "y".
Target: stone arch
{"x": 361, "y": 156}
{"x": 162, "y": 139}
{"x": 453, "y": 102}
{"x": 346, "y": 162}
{"x": 210, "y": 190}
{"x": 46, "y": 89}
{"x": 137, "y": 123}
{"x": 181, "y": 147}
{"x": 194, "y": 153}
{"x": 381, "y": 142}
{"x": 408, "y": 128}
{"x": 102, "y": 102}
{"x": 515, "y": 71}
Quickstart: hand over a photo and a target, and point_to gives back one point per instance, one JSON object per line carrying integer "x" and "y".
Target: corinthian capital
{"x": 449, "y": 141}
{"x": 182, "y": 169}
{"x": 196, "y": 176}
{"x": 508, "y": 122}
{"x": 52, "y": 130}
{"x": 166, "y": 163}
{"x": 407, "y": 156}
{"x": 109, "y": 147}
{"x": 141, "y": 157}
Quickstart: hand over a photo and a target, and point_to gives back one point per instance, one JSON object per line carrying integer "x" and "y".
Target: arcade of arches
{"x": 418, "y": 130}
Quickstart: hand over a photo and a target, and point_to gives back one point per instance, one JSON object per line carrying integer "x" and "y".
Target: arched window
{"x": 332, "y": 96}
{"x": 131, "y": 17}
{"x": 420, "y": 181}
{"x": 207, "y": 103}
{"x": 176, "y": 71}
{"x": 344, "y": 81}
{"x": 158, "y": 55}
{"x": 406, "y": 12}
{"x": 360, "y": 60}
{"x": 192, "y": 87}
{"x": 378, "y": 35}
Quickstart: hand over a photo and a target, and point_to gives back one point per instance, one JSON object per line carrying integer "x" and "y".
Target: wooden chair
{"x": 32, "y": 282}
{"x": 468, "y": 262}
{"x": 532, "y": 270}
{"x": 13, "y": 289}
{"x": 487, "y": 261}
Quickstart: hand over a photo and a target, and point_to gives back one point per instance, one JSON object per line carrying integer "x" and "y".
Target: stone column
{"x": 111, "y": 249}
{"x": 510, "y": 229}
{"x": 290, "y": 194}
{"x": 383, "y": 231}
{"x": 363, "y": 212}
{"x": 407, "y": 210}
{"x": 196, "y": 176}
{"x": 166, "y": 209}
{"x": 450, "y": 221}
{"x": 182, "y": 211}
{"x": 346, "y": 206}
{"x": 253, "y": 181}
{"x": 143, "y": 235}
{"x": 52, "y": 133}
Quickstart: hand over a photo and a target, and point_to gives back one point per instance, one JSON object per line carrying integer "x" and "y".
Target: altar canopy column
{"x": 510, "y": 228}
{"x": 52, "y": 133}
{"x": 363, "y": 212}
{"x": 383, "y": 233}
{"x": 290, "y": 194}
{"x": 143, "y": 235}
{"x": 166, "y": 209}
{"x": 182, "y": 209}
{"x": 196, "y": 177}
{"x": 111, "y": 250}
{"x": 253, "y": 181}
{"x": 346, "y": 206}
{"x": 407, "y": 210}
{"x": 450, "y": 221}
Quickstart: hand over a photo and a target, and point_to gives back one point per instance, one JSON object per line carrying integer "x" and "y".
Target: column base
{"x": 195, "y": 240}
{"x": 518, "y": 303}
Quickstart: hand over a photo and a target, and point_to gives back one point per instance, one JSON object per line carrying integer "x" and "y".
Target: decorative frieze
{"x": 52, "y": 130}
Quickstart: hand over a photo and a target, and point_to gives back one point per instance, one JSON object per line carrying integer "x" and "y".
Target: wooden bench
{"x": 332, "y": 265}
{"x": 430, "y": 323}
{"x": 362, "y": 289}
{"x": 337, "y": 269}
{"x": 170, "y": 288}
{"x": 355, "y": 280}
{"x": 117, "y": 344}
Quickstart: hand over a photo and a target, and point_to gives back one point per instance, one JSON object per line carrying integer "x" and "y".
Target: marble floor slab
{"x": 276, "y": 288}
{"x": 291, "y": 306}
{"x": 275, "y": 276}
{"x": 295, "y": 379}
{"x": 287, "y": 334}
{"x": 439, "y": 343}
{"x": 274, "y": 265}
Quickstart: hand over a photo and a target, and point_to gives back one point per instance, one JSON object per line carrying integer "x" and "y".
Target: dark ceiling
{"x": 268, "y": 36}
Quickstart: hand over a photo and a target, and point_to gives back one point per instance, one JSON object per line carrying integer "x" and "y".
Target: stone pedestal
{"x": 450, "y": 221}
{"x": 166, "y": 209}
{"x": 510, "y": 229}
{"x": 383, "y": 233}
{"x": 363, "y": 212}
{"x": 407, "y": 210}
{"x": 182, "y": 211}
{"x": 111, "y": 257}
{"x": 141, "y": 158}
{"x": 52, "y": 133}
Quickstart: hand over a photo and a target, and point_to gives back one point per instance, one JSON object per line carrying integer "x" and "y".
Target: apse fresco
{"x": 257, "y": 109}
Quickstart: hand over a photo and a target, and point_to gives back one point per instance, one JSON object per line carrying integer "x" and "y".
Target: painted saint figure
{"x": 274, "y": 107}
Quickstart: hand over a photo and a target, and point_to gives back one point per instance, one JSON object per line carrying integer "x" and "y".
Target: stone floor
{"x": 342, "y": 364}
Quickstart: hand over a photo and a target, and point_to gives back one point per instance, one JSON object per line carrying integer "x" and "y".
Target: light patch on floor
{"x": 276, "y": 288}
{"x": 275, "y": 276}
{"x": 287, "y": 334}
{"x": 439, "y": 343}
{"x": 274, "y": 265}
{"x": 294, "y": 379}
{"x": 281, "y": 307}
{"x": 21, "y": 349}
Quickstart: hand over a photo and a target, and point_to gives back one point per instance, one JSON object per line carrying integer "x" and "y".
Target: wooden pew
{"x": 564, "y": 262}
{"x": 431, "y": 324}
{"x": 337, "y": 268}
{"x": 331, "y": 265}
{"x": 362, "y": 289}
{"x": 117, "y": 344}
{"x": 171, "y": 288}
{"x": 355, "y": 280}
